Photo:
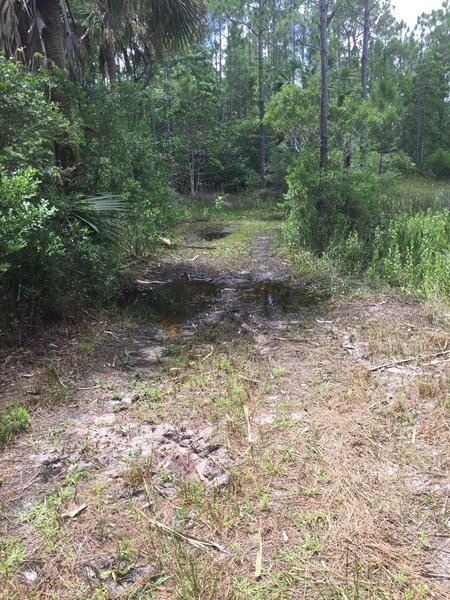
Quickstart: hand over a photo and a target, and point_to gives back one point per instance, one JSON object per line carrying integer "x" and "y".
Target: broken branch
{"x": 408, "y": 360}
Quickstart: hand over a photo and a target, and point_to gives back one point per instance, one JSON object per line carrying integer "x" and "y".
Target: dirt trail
{"x": 234, "y": 405}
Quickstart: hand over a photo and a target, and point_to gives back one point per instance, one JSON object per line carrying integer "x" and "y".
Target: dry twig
{"x": 408, "y": 360}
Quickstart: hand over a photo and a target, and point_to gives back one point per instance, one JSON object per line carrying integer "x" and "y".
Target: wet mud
{"x": 186, "y": 299}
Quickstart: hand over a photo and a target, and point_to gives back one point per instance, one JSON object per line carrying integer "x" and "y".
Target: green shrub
{"x": 349, "y": 254}
{"x": 12, "y": 422}
{"x": 24, "y": 219}
{"x": 51, "y": 264}
{"x": 325, "y": 206}
{"x": 439, "y": 164}
{"x": 122, "y": 156}
{"x": 29, "y": 124}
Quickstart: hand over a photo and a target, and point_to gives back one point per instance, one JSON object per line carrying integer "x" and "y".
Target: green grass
{"x": 12, "y": 422}
{"x": 232, "y": 207}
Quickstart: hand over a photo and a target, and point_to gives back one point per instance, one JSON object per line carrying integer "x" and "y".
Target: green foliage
{"x": 63, "y": 248}
{"x": 29, "y": 124}
{"x": 122, "y": 156}
{"x": 24, "y": 218}
{"x": 414, "y": 253}
{"x": 326, "y": 205}
{"x": 13, "y": 422}
{"x": 438, "y": 164}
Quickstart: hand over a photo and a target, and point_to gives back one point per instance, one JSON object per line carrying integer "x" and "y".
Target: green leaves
{"x": 29, "y": 123}
{"x": 22, "y": 215}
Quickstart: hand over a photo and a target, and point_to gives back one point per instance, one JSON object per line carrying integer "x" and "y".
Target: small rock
{"x": 267, "y": 419}
{"x": 164, "y": 432}
{"x": 107, "y": 419}
{"x": 131, "y": 398}
{"x": 29, "y": 576}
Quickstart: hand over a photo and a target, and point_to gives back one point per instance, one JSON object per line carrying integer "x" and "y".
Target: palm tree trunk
{"x": 111, "y": 65}
{"x": 53, "y": 36}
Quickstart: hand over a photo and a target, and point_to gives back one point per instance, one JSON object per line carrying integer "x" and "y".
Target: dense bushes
{"x": 325, "y": 206}
{"x": 439, "y": 164}
{"x": 398, "y": 234}
{"x": 30, "y": 124}
{"x": 58, "y": 251}
{"x": 51, "y": 263}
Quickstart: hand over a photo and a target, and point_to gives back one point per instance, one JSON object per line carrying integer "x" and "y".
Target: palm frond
{"x": 10, "y": 39}
{"x": 100, "y": 213}
{"x": 174, "y": 23}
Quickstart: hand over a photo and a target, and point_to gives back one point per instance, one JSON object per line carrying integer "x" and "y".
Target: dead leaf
{"x": 75, "y": 512}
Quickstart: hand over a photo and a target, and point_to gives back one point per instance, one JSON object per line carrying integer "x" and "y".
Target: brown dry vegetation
{"x": 343, "y": 473}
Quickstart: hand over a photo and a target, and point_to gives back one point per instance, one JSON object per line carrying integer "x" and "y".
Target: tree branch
{"x": 333, "y": 12}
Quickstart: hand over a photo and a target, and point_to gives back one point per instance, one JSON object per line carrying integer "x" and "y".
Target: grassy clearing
{"x": 232, "y": 208}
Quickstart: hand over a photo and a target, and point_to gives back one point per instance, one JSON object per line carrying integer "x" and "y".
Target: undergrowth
{"x": 401, "y": 237}
{"x": 12, "y": 422}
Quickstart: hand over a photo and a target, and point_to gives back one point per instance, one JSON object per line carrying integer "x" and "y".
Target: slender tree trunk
{"x": 347, "y": 156}
{"x": 323, "y": 25}
{"x": 365, "y": 50}
{"x": 262, "y": 102}
{"x": 420, "y": 116}
{"x": 220, "y": 48}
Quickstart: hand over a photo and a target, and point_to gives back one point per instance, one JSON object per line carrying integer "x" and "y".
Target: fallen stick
{"x": 407, "y": 360}
{"x": 258, "y": 565}
{"x": 436, "y": 576}
{"x": 202, "y": 544}
{"x": 249, "y": 427}
{"x": 145, "y": 282}
{"x": 294, "y": 340}
{"x": 248, "y": 379}
{"x": 177, "y": 246}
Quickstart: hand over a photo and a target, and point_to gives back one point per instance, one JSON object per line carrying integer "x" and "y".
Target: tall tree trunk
{"x": 53, "y": 33}
{"x": 323, "y": 25}
{"x": 262, "y": 102}
{"x": 365, "y": 50}
{"x": 53, "y": 37}
{"x": 110, "y": 59}
{"x": 420, "y": 112}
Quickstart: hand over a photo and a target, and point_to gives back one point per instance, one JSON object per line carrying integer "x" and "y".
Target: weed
{"x": 86, "y": 347}
{"x": 45, "y": 515}
{"x": 313, "y": 545}
{"x": 313, "y": 518}
{"x": 12, "y": 422}
{"x": 12, "y": 555}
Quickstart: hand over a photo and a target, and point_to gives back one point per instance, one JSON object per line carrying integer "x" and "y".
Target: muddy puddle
{"x": 274, "y": 298}
{"x": 181, "y": 300}
{"x": 178, "y": 300}
{"x": 210, "y": 235}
